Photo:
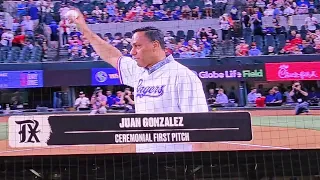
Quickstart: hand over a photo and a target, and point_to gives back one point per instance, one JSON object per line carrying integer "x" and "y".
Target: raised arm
{"x": 106, "y": 51}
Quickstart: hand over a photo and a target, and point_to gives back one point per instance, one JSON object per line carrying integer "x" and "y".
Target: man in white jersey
{"x": 161, "y": 84}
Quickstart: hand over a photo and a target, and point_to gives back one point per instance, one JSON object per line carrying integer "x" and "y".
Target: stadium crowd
{"x": 28, "y": 40}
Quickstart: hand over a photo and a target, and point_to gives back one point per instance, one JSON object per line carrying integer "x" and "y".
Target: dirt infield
{"x": 264, "y": 138}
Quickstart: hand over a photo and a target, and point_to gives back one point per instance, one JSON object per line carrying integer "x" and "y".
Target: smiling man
{"x": 161, "y": 84}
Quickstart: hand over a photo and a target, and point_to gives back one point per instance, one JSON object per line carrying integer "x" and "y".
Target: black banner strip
{"x": 150, "y": 128}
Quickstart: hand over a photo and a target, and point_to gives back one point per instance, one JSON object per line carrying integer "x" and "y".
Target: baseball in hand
{"x": 73, "y": 14}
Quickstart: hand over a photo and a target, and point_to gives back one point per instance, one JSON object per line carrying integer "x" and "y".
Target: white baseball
{"x": 72, "y": 14}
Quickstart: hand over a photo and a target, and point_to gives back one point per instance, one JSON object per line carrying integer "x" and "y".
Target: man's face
{"x": 142, "y": 49}
{"x": 297, "y": 85}
{"x": 109, "y": 93}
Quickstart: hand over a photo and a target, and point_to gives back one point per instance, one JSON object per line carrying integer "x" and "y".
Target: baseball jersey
{"x": 166, "y": 87}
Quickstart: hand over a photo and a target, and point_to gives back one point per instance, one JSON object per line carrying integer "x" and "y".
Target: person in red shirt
{"x": 242, "y": 49}
{"x": 289, "y": 47}
{"x": 297, "y": 40}
{"x": 19, "y": 40}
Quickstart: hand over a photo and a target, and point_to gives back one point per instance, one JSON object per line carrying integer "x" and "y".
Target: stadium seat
{"x": 24, "y": 55}
{"x": 128, "y": 34}
{"x": 36, "y": 54}
{"x": 181, "y": 34}
{"x": 190, "y": 34}
{"x": 13, "y": 55}
{"x": 4, "y": 53}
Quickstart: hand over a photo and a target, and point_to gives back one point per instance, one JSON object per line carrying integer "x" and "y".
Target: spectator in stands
{"x": 7, "y": 37}
{"x": 82, "y": 102}
{"x": 110, "y": 98}
{"x": 288, "y": 98}
{"x": 225, "y": 26}
{"x": 311, "y": 22}
{"x": 270, "y": 97}
{"x": 300, "y": 96}
{"x": 22, "y": 8}
{"x": 303, "y": 7}
{"x": 270, "y": 51}
{"x": 129, "y": 100}
{"x": 288, "y": 14}
{"x": 307, "y": 48}
{"x": 221, "y": 98}
{"x": 119, "y": 98}
{"x": 277, "y": 95}
{"x": 33, "y": 13}
{"x": 246, "y": 20}
{"x": 242, "y": 49}
{"x": 54, "y": 36}
{"x": 221, "y": 6}
{"x": 27, "y": 26}
{"x": 211, "y": 97}
{"x": 208, "y": 8}
{"x": 98, "y": 102}
{"x": 297, "y": 40}
{"x": 63, "y": 32}
{"x": 254, "y": 51}
{"x": 252, "y": 96}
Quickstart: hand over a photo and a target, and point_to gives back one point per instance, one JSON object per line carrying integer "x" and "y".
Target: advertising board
{"x": 230, "y": 73}
{"x": 21, "y": 79}
{"x": 291, "y": 71}
{"x": 104, "y": 76}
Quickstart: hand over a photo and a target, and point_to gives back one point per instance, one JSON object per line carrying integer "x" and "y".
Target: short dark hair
{"x": 153, "y": 33}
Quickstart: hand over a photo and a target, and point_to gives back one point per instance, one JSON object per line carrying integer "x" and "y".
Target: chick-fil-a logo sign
{"x": 293, "y": 71}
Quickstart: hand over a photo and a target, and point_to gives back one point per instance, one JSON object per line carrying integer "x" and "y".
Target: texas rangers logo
{"x": 150, "y": 91}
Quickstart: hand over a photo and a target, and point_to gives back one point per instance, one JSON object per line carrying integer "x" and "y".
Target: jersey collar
{"x": 159, "y": 64}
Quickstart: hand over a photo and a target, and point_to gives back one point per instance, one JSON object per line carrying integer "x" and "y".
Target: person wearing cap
{"x": 82, "y": 101}
{"x": 99, "y": 102}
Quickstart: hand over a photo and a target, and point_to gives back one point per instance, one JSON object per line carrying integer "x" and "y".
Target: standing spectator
{"x": 208, "y": 8}
{"x": 54, "y": 36}
{"x": 311, "y": 23}
{"x": 27, "y": 26}
{"x": 225, "y": 27}
{"x": 21, "y": 8}
{"x": 288, "y": 14}
{"x": 221, "y": 6}
{"x": 33, "y": 13}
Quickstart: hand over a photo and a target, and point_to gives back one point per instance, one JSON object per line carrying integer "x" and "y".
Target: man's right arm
{"x": 106, "y": 51}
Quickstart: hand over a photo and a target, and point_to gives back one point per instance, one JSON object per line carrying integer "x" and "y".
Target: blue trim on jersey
{"x": 159, "y": 64}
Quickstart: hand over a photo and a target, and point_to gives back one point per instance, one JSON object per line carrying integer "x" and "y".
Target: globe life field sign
{"x": 234, "y": 73}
